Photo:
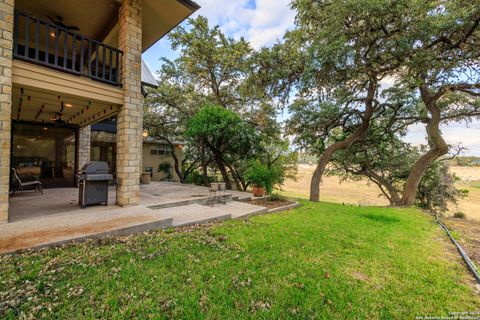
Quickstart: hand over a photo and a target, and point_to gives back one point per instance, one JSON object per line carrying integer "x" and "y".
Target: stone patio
{"x": 55, "y": 218}
{"x": 30, "y": 204}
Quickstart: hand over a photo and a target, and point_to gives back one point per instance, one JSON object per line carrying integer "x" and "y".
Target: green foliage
{"x": 196, "y": 178}
{"x": 165, "y": 167}
{"x": 437, "y": 189}
{"x": 274, "y": 162}
{"x": 261, "y": 175}
{"x": 214, "y": 63}
{"x": 212, "y": 69}
{"x": 223, "y": 131}
{"x": 339, "y": 49}
{"x": 386, "y": 160}
{"x": 459, "y": 215}
{"x": 274, "y": 197}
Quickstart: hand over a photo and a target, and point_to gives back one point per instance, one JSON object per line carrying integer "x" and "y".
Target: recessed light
{"x": 68, "y": 105}
{"x": 45, "y": 128}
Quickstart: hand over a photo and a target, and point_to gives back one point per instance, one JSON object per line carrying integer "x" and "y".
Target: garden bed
{"x": 270, "y": 203}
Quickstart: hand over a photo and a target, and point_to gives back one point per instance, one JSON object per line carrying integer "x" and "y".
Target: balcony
{"x": 49, "y": 45}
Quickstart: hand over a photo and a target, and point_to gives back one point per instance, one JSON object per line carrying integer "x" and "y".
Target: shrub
{"x": 274, "y": 197}
{"x": 166, "y": 168}
{"x": 261, "y": 175}
{"x": 459, "y": 215}
{"x": 437, "y": 189}
{"x": 196, "y": 178}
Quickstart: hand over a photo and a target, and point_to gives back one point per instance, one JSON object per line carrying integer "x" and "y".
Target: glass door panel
{"x": 46, "y": 152}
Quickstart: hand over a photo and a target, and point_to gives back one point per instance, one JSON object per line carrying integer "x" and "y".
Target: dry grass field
{"x": 470, "y": 180}
{"x": 364, "y": 193}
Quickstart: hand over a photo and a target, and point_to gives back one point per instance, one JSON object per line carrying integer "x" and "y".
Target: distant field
{"x": 470, "y": 180}
{"x": 364, "y": 193}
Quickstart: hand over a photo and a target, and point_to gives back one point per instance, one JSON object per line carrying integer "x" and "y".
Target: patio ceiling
{"x": 42, "y": 106}
{"x": 99, "y": 19}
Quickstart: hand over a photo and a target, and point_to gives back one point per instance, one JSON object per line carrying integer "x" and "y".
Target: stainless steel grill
{"x": 93, "y": 184}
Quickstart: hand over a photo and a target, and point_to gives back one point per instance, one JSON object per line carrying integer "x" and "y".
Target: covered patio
{"x": 55, "y": 217}
{"x": 57, "y": 201}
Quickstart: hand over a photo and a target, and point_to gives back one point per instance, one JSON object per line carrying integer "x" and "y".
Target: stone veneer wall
{"x": 130, "y": 116}
{"x": 84, "y": 142}
{"x": 6, "y": 45}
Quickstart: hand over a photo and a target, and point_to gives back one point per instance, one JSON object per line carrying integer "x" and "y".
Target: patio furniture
{"x": 217, "y": 190}
{"x": 93, "y": 184}
{"x": 21, "y": 183}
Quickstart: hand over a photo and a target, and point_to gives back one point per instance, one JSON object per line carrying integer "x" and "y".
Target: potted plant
{"x": 166, "y": 168}
{"x": 260, "y": 176}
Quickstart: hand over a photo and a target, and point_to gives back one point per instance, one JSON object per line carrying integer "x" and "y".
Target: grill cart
{"x": 93, "y": 184}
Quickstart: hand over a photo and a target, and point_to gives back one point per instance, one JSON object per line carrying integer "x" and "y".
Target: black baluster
{"x": 47, "y": 44}
{"x": 55, "y": 46}
{"x": 110, "y": 66}
{"x": 27, "y": 41}
{"x": 37, "y": 38}
{"x": 65, "y": 47}
{"x": 81, "y": 55}
{"x": 74, "y": 52}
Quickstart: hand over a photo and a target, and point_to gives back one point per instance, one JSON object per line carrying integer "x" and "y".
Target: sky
{"x": 262, "y": 23}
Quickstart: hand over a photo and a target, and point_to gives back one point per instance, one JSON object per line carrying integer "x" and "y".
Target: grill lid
{"x": 95, "y": 167}
{"x": 98, "y": 177}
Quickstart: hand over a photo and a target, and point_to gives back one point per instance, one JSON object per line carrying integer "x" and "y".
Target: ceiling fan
{"x": 59, "y": 22}
{"x": 57, "y": 119}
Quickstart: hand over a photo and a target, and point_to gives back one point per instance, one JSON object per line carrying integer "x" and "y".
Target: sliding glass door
{"x": 46, "y": 152}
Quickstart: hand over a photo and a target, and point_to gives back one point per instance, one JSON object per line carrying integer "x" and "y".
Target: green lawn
{"x": 318, "y": 261}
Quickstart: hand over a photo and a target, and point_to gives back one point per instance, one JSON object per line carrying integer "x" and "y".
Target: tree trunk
{"x": 390, "y": 192}
{"x": 205, "y": 173}
{"x": 437, "y": 144}
{"x": 357, "y": 135}
{"x": 235, "y": 178}
{"x": 176, "y": 165}
{"x": 223, "y": 170}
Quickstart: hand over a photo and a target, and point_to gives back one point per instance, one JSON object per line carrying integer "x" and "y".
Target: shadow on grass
{"x": 380, "y": 218}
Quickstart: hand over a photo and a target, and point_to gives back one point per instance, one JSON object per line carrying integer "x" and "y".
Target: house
{"x": 156, "y": 154}
{"x": 68, "y": 64}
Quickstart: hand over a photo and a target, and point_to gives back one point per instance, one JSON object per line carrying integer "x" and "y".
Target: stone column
{"x": 130, "y": 116}
{"x": 84, "y": 136}
{"x": 6, "y": 45}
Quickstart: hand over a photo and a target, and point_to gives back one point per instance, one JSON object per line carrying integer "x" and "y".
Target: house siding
{"x": 84, "y": 145}
{"x": 130, "y": 116}
{"x": 6, "y": 44}
{"x": 154, "y": 160}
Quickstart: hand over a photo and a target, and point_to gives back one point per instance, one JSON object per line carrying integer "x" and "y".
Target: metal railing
{"x": 50, "y": 45}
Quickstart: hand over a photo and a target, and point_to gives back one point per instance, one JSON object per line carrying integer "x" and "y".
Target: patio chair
{"x": 217, "y": 190}
{"x": 25, "y": 182}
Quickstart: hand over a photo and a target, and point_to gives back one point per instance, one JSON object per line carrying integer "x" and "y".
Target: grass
{"x": 321, "y": 260}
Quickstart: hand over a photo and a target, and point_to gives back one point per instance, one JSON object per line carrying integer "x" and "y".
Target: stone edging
{"x": 293, "y": 205}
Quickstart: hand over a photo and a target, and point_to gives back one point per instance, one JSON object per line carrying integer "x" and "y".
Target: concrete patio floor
{"x": 55, "y": 218}
{"x": 30, "y": 204}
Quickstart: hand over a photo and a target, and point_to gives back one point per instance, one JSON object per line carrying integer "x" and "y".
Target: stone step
{"x": 87, "y": 224}
{"x": 202, "y": 200}
{"x": 197, "y": 213}
{"x": 63, "y": 228}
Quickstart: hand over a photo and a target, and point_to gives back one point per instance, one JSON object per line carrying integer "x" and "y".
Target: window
{"x": 161, "y": 149}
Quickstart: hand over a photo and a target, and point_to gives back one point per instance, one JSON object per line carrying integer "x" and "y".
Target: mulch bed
{"x": 270, "y": 204}
{"x": 468, "y": 236}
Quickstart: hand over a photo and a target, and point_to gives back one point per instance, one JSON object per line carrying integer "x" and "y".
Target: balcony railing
{"x": 49, "y": 45}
